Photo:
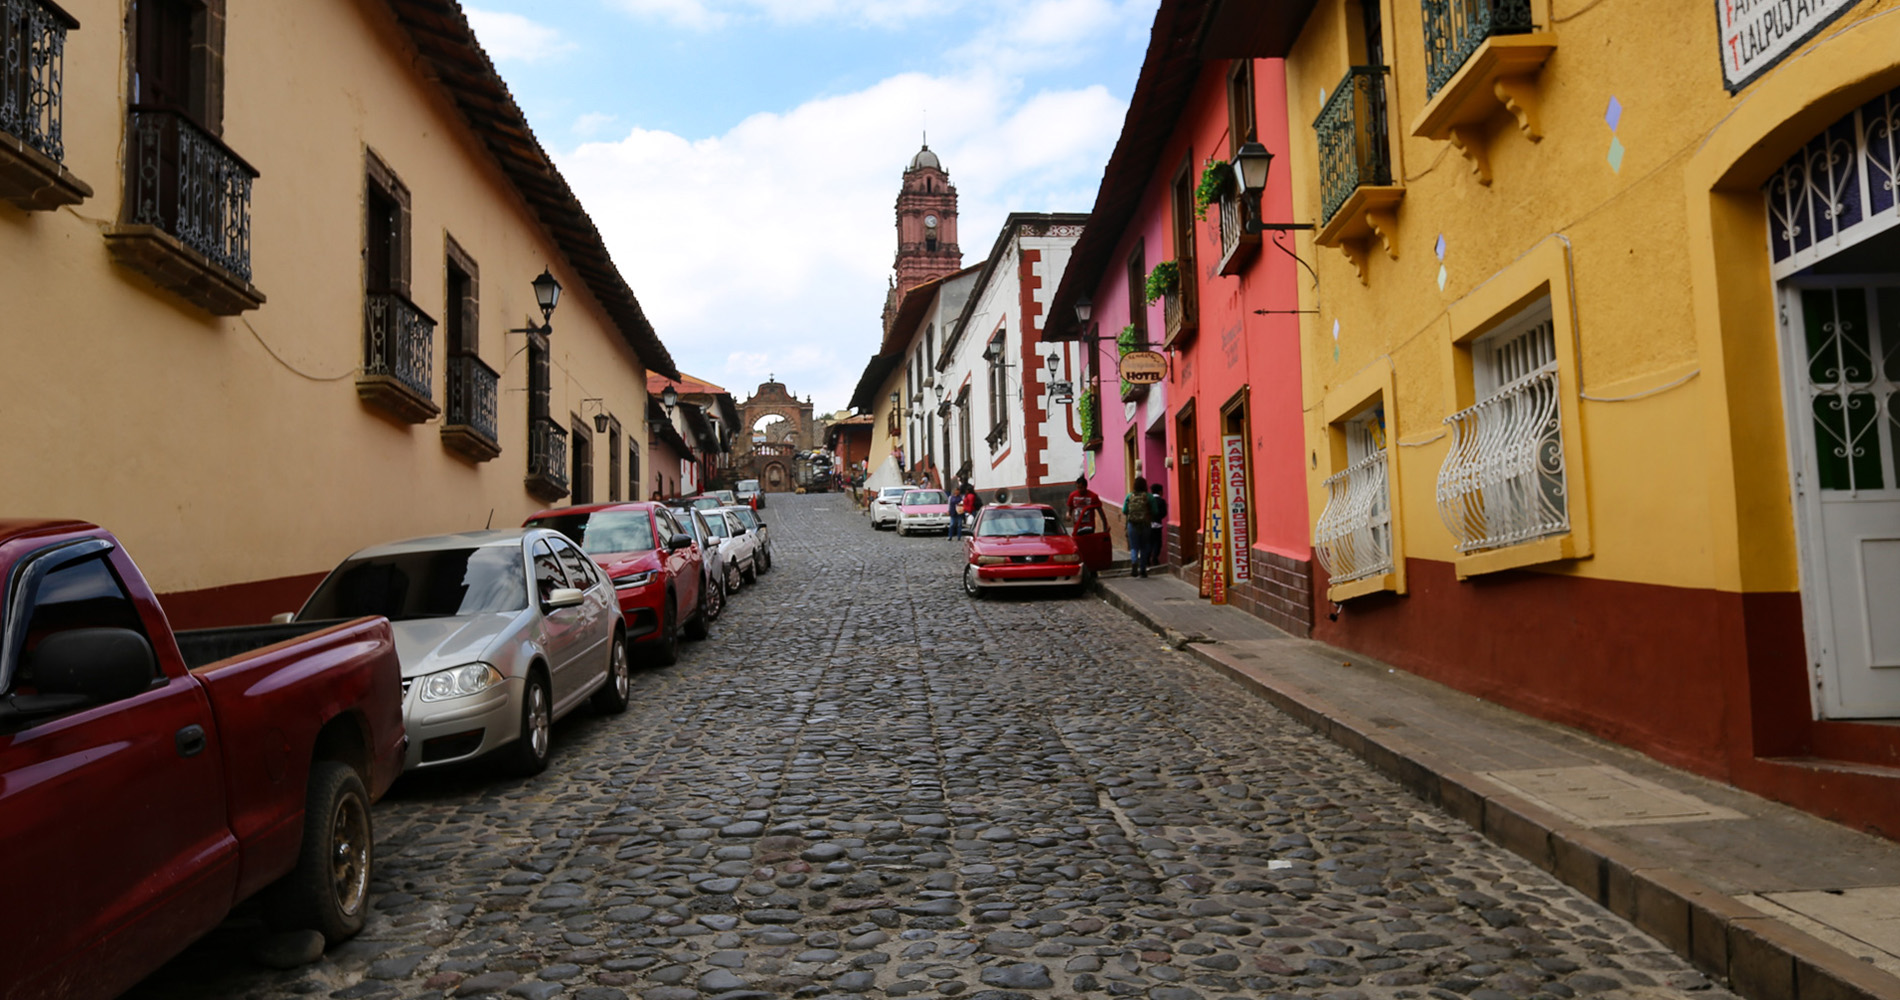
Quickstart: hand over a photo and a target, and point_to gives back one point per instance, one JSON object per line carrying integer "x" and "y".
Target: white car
{"x": 738, "y": 544}
{"x": 888, "y": 506}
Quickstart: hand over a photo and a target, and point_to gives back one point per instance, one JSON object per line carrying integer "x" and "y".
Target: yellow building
{"x": 1601, "y": 369}
{"x": 268, "y": 271}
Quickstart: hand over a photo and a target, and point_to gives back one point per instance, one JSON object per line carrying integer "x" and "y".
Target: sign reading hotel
{"x": 1757, "y": 34}
{"x": 1238, "y": 527}
{"x": 1213, "y": 541}
{"x": 1144, "y": 367}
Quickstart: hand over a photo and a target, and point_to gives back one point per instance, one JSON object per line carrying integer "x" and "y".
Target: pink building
{"x": 1225, "y": 322}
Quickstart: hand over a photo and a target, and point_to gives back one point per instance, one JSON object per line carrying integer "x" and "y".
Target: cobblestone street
{"x": 868, "y": 784}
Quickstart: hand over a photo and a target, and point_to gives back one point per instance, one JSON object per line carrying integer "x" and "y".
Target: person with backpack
{"x": 1138, "y": 511}
{"x": 1158, "y": 510}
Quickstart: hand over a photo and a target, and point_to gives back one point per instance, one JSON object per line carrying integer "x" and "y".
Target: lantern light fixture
{"x": 547, "y": 294}
{"x": 1083, "y": 310}
{"x": 1252, "y": 163}
{"x": 669, "y": 397}
{"x": 1055, "y": 362}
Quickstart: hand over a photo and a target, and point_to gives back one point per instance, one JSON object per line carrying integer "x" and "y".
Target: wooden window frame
{"x": 1243, "y": 122}
{"x": 580, "y": 477}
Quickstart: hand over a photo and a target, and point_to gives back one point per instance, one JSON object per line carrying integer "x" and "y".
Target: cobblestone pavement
{"x": 867, "y": 784}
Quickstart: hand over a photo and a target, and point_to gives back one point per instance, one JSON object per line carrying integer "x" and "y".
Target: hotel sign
{"x": 1757, "y": 34}
{"x": 1144, "y": 367}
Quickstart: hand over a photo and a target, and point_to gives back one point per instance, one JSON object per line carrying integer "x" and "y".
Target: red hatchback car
{"x": 654, "y": 565}
{"x": 1021, "y": 545}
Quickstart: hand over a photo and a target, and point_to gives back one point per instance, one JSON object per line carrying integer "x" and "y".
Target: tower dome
{"x": 925, "y": 158}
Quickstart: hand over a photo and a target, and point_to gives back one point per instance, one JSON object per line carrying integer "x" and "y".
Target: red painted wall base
{"x": 238, "y": 604}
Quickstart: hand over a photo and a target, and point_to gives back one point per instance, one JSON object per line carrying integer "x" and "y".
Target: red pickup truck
{"x": 149, "y": 781}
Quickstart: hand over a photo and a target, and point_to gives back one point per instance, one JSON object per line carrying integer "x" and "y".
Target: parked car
{"x": 500, "y": 634}
{"x": 151, "y": 780}
{"x": 703, "y": 501}
{"x": 749, "y": 493}
{"x": 655, "y": 566}
{"x": 750, "y": 518}
{"x": 712, "y": 558}
{"x": 923, "y": 510}
{"x": 741, "y": 545}
{"x": 888, "y": 506}
{"x": 726, "y": 497}
{"x": 1020, "y": 545}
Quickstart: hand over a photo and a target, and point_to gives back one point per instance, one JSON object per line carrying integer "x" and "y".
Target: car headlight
{"x": 990, "y": 560}
{"x": 459, "y": 682}
{"x": 1065, "y": 557}
{"x": 633, "y": 580}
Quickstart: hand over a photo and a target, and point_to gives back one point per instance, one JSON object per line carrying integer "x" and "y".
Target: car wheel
{"x": 715, "y": 598}
{"x": 767, "y": 568}
{"x": 328, "y": 891}
{"x": 611, "y": 699}
{"x": 752, "y": 569}
{"x": 733, "y": 579}
{"x": 970, "y": 586}
{"x": 665, "y": 650}
{"x": 699, "y": 627}
{"x": 530, "y": 752}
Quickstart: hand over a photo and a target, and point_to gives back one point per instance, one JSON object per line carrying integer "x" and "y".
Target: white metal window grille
{"x": 1838, "y": 189}
{"x": 1852, "y": 339}
{"x": 1353, "y": 538}
{"x": 1503, "y": 480}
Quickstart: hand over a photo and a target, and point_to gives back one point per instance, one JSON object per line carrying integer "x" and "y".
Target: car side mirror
{"x": 679, "y": 541}
{"x": 283, "y": 618}
{"x": 101, "y": 664}
{"x": 762, "y": 524}
{"x": 565, "y": 597}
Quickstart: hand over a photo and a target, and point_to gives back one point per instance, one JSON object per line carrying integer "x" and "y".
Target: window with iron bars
{"x": 1353, "y": 538}
{"x": 1503, "y": 479}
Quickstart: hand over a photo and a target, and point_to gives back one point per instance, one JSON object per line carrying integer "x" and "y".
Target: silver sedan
{"x": 499, "y": 632}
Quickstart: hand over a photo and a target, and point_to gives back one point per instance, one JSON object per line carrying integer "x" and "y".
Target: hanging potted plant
{"x": 1215, "y": 177}
{"x": 1090, "y": 412}
{"x": 1125, "y": 340}
{"x": 1165, "y": 279}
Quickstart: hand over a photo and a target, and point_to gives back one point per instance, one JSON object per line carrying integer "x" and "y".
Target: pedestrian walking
{"x": 1138, "y": 512}
{"x": 1157, "y": 509}
{"x": 1082, "y": 498}
{"x": 956, "y": 513}
{"x": 969, "y": 506}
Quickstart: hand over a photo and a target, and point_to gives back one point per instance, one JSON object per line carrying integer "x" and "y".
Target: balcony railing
{"x": 1174, "y": 313}
{"x": 32, "y": 61}
{"x": 183, "y": 181}
{"x": 1503, "y": 480}
{"x": 471, "y": 427}
{"x": 1353, "y": 538}
{"x": 547, "y": 459}
{"x": 1354, "y": 148}
{"x": 1237, "y": 245}
{"x": 398, "y": 341}
{"x": 1454, "y": 29}
{"x": 472, "y": 388}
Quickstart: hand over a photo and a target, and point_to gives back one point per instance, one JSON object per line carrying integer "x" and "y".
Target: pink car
{"x": 924, "y": 510}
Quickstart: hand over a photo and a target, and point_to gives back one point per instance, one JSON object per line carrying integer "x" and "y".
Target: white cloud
{"x": 593, "y": 123}
{"x": 513, "y": 38}
{"x": 768, "y": 248}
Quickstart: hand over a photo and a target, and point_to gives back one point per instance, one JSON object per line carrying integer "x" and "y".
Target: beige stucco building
{"x": 268, "y": 268}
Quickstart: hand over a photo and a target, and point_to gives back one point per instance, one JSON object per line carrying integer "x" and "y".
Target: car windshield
{"x": 748, "y": 486}
{"x": 727, "y": 495}
{"x": 604, "y": 531}
{"x": 717, "y": 525}
{"x": 1014, "y": 523}
{"x": 707, "y": 503}
{"x": 923, "y": 498}
{"x": 438, "y": 584}
{"x": 893, "y": 493}
{"x": 744, "y": 514}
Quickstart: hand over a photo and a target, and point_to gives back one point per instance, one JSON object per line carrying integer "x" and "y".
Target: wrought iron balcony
{"x": 32, "y": 143}
{"x": 471, "y": 425}
{"x": 547, "y": 459}
{"x": 1353, "y": 538}
{"x": 1237, "y": 245}
{"x": 1454, "y": 29}
{"x": 398, "y": 357}
{"x": 1503, "y": 479}
{"x": 188, "y": 212}
{"x": 1355, "y": 150}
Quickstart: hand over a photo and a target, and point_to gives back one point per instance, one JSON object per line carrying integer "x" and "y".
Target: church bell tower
{"x": 926, "y": 223}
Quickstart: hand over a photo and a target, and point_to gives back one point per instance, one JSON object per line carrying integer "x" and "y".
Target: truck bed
{"x": 205, "y": 646}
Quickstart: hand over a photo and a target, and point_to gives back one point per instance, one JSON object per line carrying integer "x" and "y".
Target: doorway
{"x": 1841, "y": 386}
{"x": 1187, "y": 483}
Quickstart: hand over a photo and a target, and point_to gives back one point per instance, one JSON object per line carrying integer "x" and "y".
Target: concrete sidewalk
{"x": 1776, "y": 902}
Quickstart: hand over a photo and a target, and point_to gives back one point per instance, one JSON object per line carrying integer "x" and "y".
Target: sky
{"x": 742, "y": 157}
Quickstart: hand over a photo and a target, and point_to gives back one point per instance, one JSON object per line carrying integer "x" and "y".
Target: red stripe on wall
{"x": 238, "y": 604}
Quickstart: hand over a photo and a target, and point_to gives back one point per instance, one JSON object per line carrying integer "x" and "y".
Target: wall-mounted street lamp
{"x": 669, "y": 397}
{"x": 547, "y": 295}
{"x": 939, "y": 390}
{"x": 896, "y": 397}
{"x": 600, "y": 418}
{"x": 1251, "y": 164}
{"x": 1055, "y": 362}
{"x": 1083, "y": 310}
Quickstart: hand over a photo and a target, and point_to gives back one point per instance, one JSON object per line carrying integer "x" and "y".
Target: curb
{"x": 1754, "y": 954}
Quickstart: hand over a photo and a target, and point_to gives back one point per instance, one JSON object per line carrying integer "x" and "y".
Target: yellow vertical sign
{"x": 1214, "y": 545}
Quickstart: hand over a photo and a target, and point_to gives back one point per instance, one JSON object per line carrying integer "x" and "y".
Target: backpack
{"x": 1138, "y": 510}
{"x": 1160, "y": 508}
